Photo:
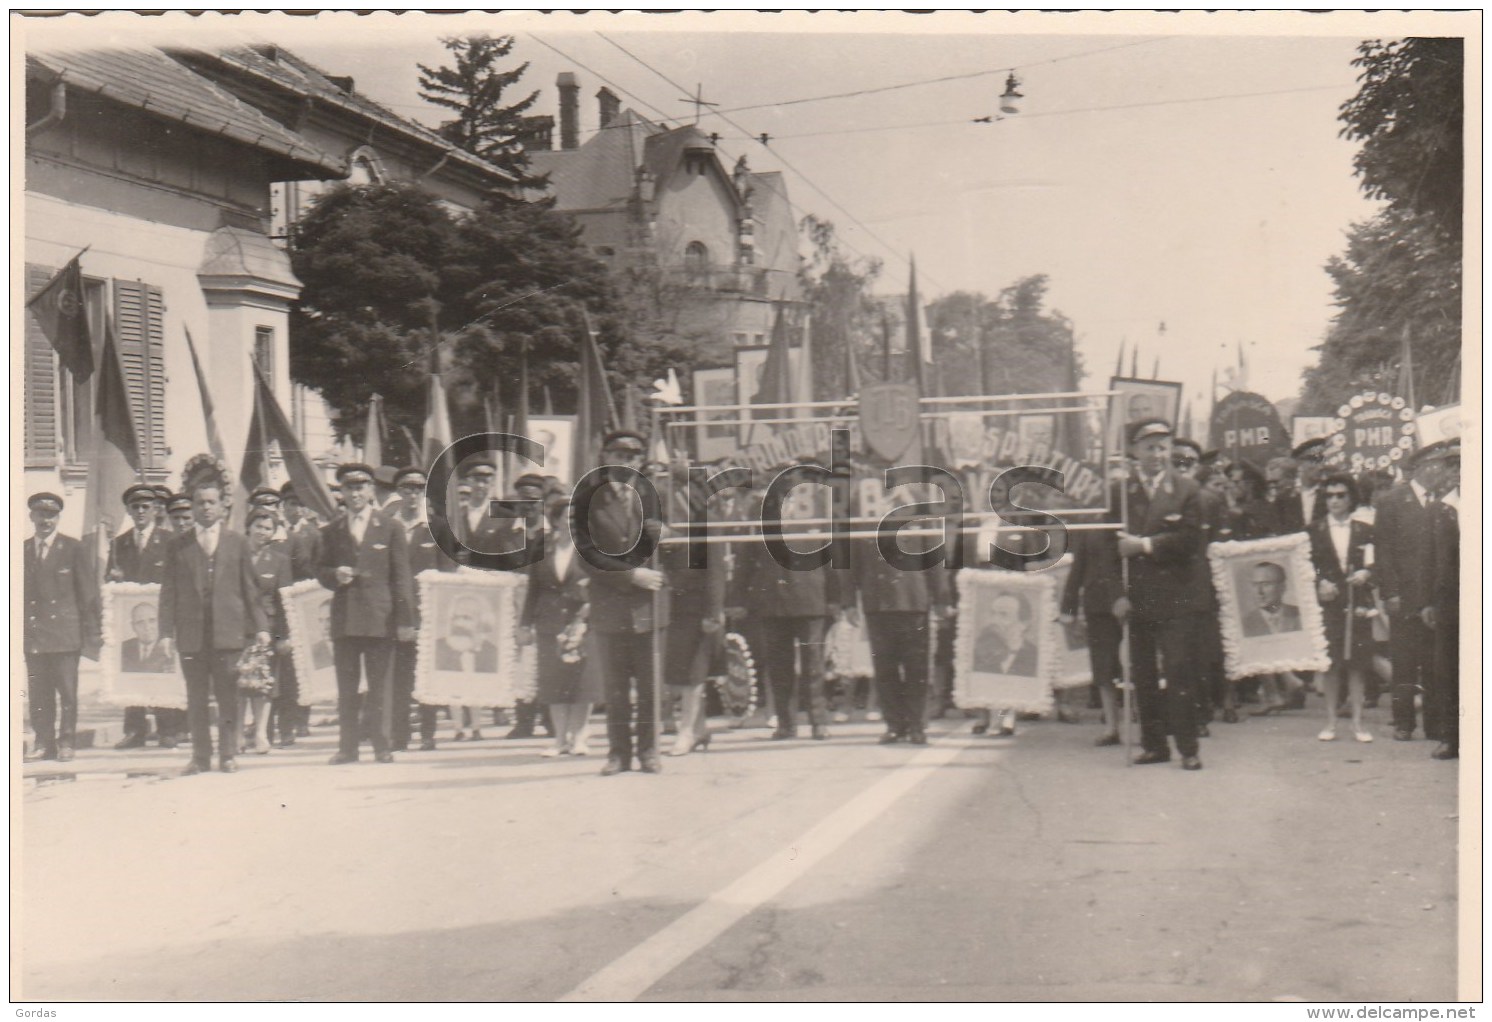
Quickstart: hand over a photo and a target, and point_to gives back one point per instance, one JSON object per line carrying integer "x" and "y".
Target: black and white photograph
{"x": 322, "y": 695}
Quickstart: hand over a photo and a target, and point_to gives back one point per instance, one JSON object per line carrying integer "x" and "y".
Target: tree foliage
{"x": 496, "y": 131}
{"x": 389, "y": 276}
{"x": 843, "y": 316}
{"x": 1026, "y": 348}
{"x": 1401, "y": 274}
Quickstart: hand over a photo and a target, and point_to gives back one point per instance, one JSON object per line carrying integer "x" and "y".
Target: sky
{"x": 1176, "y": 169}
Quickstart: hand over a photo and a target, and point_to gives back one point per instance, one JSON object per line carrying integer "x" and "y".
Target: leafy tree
{"x": 485, "y": 125}
{"x": 843, "y": 314}
{"x": 1401, "y": 274}
{"x": 1409, "y": 114}
{"x": 1011, "y": 345}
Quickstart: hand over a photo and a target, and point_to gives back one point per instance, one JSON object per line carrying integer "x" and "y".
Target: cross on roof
{"x": 698, "y": 101}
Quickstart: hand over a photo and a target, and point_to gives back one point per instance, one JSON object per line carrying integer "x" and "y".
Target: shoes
{"x": 169, "y": 742}
{"x": 582, "y": 749}
{"x": 889, "y": 738}
{"x": 840, "y": 717}
{"x": 460, "y": 736}
{"x": 1112, "y": 738}
{"x": 649, "y": 763}
{"x": 1230, "y": 715}
{"x": 130, "y": 742}
{"x": 517, "y": 732}
{"x": 399, "y": 747}
{"x": 557, "y": 750}
{"x": 383, "y": 757}
{"x": 1442, "y": 751}
{"x": 229, "y": 766}
{"x": 195, "y": 767}
{"x": 702, "y": 743}
{"x": 1147, "y": 758}
{"x": 873, "y": 716}
{"x": 39, "y": 754}
{"x": 1403, "y": 736}
{"x": 917, "y": 736}
{"x": 1296, "y": 700}
{"x": 1191, "y": 763}
{"x": 476, "y": 734}
{"x": 784, "y": 733}
{"x": 1328, "y": 735}
{"x": 64, "y": 753}
{"x": 303, "y": 731}
{"x": 1268, "y": 711}
{"x": 981, "y": 728}
{"x": 615, "y": 766}
{"x": 1363, "y": 736}
{"x": 261, "y": 748}
{"x": 428, "y": 745}
{"x": 343, "y": 757}
{"x": 1202, "y": 731}
{"x": 286, "y": 741}
{"x": 820, "y": 733}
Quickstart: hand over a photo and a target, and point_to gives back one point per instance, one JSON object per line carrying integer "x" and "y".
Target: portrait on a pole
{"x": 1140, "y": 399}
{"x": 1006, "y": 647}
{"x": 1268, "y": 613}
{"x": 308, "y": 614}
{"x": 135, "y": 668}
{"x": 468, "y": 652}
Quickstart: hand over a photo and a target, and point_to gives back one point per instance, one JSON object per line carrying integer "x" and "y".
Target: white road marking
{"x": 628, "y": 977}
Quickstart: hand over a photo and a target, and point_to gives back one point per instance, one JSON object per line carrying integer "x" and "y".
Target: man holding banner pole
{"x": 1166, "y": 582}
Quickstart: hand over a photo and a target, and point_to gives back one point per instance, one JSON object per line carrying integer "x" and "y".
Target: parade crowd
{"x": 1384, "y": 547}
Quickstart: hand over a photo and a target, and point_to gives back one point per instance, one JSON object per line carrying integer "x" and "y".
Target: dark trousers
{"x": 53, "y": 679}
{"x": 627, "y": 661}
{"x": 793, "y": 649}
{"x": 286, "y": 705}
{"x": 403, "y": 693}
{"x": 527, "y": 713}
{"x": 1212, "y": 682}
{"x": 1412, "y": 650}
{"x": 1166, "y": 647}
{"x": 169, "y": 723}
{"x": 212, "y": 674}
{"x": 354, "y": 656}
{"x": 1446, "y": 694}
{"x": 898, "y": 653}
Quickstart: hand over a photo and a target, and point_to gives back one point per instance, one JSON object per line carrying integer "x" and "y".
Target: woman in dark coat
{"x": 554, "y": 614}
{"x": 271, "y": 573}
{"x": 1340, "y": 552}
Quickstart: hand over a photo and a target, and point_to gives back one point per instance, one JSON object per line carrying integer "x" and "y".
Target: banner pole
{"x": 1124, "y": 662}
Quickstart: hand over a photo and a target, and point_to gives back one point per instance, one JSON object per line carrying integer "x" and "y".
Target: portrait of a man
{"x": 143, "y": 653}
{"x": 1004, "y": 645}
{"x": 1271, "y": 615}
{"x": 464, "y": 645}
{"x": 321, "y": 649}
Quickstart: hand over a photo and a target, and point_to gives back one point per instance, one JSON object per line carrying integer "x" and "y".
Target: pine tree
{"x": 474, "y": 89}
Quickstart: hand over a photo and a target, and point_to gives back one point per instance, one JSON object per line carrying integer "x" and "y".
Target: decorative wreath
{"x": 256, "y": 671}
{"x": 202, "y": 468}
{"x": 737, "y": 686}
{"x": 572, "y": 642}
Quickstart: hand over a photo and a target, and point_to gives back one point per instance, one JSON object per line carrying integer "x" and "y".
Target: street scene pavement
{"x": 1030, "y": 868}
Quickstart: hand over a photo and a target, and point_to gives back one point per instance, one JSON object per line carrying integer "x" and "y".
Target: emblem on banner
{"x": 889, "y": 418}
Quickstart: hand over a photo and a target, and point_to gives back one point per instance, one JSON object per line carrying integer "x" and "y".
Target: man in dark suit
{"x": 1003, "y": 648}
{"x": 1162, "y": 539}
{"x": 515, "y": 534}
{"x": 139, "y": 555}
{"x": 1270, "y": 615}
{"x": 365, "y": 562}
{"x": 424, "y": 555}
{"x": 895, "y": 603}
{"x": 1402, "y": 539}
{"x": 1094, "y": 585}
{"x": 209, "y": 611}
{"x": 143, "y": 653}
{"x": 1444, "y": 612}
{"x": 626, "y": 605}
{"x": 62, "y": 623}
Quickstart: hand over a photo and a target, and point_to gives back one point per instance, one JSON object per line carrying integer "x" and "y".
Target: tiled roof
{"x": 600, "y": 174}
{"x": 151, "y": 81}
{"x": 279, "y": 66}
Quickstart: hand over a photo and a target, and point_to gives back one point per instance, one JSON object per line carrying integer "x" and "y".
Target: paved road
{"x": 1034, "y": 868}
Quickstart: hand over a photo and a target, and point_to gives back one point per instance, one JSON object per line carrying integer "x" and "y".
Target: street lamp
{"x": 1010, "y": 99}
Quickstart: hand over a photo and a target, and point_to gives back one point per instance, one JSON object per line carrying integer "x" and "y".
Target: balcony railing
{"x": 740, "y": 280}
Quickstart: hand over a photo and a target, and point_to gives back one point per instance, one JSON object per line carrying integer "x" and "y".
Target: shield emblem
{"x": 888, "y": 418}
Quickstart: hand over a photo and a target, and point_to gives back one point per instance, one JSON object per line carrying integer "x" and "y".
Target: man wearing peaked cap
{"x": 1298, "y": 505}
{"x": 1443, "y": 615}
{"x": 364, "y": 561}
{"x": 139, "y": 555}
{"x": 62, "y": 623}
{"x": 624, "y": 439}
{"x": 1162, "y": 539}
{"x": 179, "y": 507}
{"x": 265, "y": 496}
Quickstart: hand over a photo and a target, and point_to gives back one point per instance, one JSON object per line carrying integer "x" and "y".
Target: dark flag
{"x": 209, "y": 417}
{"x": 115, "y": 461}
{"x": 60, "y": 313}
{"x": 595, "y": 412}
{"x": 269, "y": 425}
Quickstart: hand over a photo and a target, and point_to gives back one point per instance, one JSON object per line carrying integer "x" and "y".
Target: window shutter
{"x": 41, "y": 381}
{"x": 139, "y": 329}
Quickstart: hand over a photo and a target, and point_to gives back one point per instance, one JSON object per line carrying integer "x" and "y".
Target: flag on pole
{"x": 1134, "y": 363}
{"x": 1119, "y": 362}
{"x": 269, "y": 425}
{"x": 115, "y": 461}
{"x": 209, "y": 416}
{"x": 62, "y": 316}
{"x": 373, "y": 432}
{"x": 549, "y": 399}
{"x": 1405, "y": 385}
{"x": 777, "y": 377}
{"x": 804, "y": 389}
{"x": 520, "y": 423}
{"x": 851, "y": 366}
{"x": 1155, "y": 369}
{"x": 595, "y": 411}
{"x": 437, "y": 435}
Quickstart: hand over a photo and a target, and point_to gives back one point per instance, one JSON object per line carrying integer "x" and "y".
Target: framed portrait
{"x": 1072, "y": 667}
{"x": 715, "y": 387}
{"x": 1005, "y": 651}
{"x": 1266, "y": 590}
{"x": 1038, "y": 435}
{"x": 1140, "y": 399}
{"x": 308, "y": 611}
{"x": 557, "y": 434}
{"x": 133, "y": 669}
{"x": 468, "y": 652}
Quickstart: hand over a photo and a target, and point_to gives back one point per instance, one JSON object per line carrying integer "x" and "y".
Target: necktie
{"x": 209, "y": 541}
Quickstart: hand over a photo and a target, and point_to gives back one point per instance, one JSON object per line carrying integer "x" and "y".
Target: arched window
{"x": 696, "y": 259}
{"x": 365, "y": 168}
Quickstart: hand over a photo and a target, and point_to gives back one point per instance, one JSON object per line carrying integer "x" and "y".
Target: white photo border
{"x": 1294, "y": 550}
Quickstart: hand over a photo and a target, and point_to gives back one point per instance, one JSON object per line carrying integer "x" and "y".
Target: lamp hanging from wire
{"x": 1011, "y": 97}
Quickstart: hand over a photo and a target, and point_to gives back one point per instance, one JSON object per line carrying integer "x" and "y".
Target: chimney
{"x": 541, "y": 133}
{"x": 608, "y": 105}
{"x": 569, "y": 93}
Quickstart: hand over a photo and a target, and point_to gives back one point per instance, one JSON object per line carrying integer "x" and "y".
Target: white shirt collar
{"x": 1420, "y": 493}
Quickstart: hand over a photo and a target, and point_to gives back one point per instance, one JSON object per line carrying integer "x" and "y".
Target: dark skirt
{"x": 560, "y": 682}
{"x": 1334, "y": 616}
